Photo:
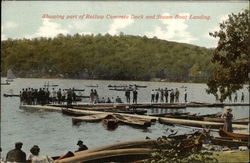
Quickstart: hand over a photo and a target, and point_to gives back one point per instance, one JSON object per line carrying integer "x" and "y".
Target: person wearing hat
{"x": 16, "y": 155}
{"x": 227, "y": 116}
{"x": 82, "y": 147}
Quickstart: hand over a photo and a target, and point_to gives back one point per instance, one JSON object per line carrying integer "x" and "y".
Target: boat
{"x": 10, "y": 95}
{"x": 92, "y": 85}
{"x": 47, "y": 85}
{"x": 89, "y": 118}
{"x": 10, "y": 76}
{"x": 71, "y": 112}
{"x": 118, "y": 155}
{"x": 132, "y": 121}
{"x": 196, "y": 123}
{"x": 138, "y": 86}
{"x": 121, "y": 89}
{"x": 229, "y": 142}
{"x": 110, "y": 122}
{"x": 117, "y": 86}
{"x": 6, "y": 83}
{"x": 218, "y": 119}
{"x": 224, "y": 133}
{"x": 139, "y": 112}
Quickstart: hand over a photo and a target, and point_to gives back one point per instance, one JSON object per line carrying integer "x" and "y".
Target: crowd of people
{"x": 166, "y": 95}
{"x": 18, "y": 155}
{"x": 43, "y": 96}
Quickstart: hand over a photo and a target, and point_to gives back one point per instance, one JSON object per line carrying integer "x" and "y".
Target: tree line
{"x": 120, "y": 57}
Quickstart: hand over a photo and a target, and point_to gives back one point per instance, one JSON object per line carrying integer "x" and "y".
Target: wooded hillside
{"x": 122, "y": 57}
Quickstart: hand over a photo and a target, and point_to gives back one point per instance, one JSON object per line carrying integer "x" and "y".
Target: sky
{"x": 185, "y": 22}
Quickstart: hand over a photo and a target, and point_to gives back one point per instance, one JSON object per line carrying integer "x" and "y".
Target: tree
{"x": 231, "y": 56}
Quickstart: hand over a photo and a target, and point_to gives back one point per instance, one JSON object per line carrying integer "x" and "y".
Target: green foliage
{"x": 105, "y": 57}
{"x": 231, "y": 56}
{"x": 177, "y": 151}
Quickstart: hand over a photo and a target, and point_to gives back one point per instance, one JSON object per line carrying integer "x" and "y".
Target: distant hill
{"x": 122, "y": 57}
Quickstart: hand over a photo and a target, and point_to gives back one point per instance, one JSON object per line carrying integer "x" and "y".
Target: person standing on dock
{"x": 135, "y": 96}
{"x": 127, "y": 95}
{"x": 64, "y": 94}
{"x": 242, "y": 97}
{"x": 152, "y": 96}
{"x": 161, "y": 95}
{"x": 172, "y": 96}
{"x": 69, "y": 98}
{"x": 230, "y": 98}
{"x": 16, "y": 155}
{"x": 156, "y": 96}
{"x": 185, "y": 95}
{"x": 227, "y": 116}
{"x": 235, "y": 97}
{"x": 166, "y": 95}
{"x": 53, "y": 96}
{"x": 177, "y": 93}
{"x": 92, "y": 96}
{"x": 59, "y": 96}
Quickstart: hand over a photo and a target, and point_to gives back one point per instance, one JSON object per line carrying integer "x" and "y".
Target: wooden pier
{"x": 184, "y": 122}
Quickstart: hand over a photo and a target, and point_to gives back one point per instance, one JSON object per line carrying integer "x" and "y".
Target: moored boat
{"x": 72, "y": 112}
{"x": 218, "y": 119}
{"x": 224, "y": 133}
{"x": 89, "y": 118}
{"x": 139, "y": 122}
{"x": 230, "y": 142}
{"x": 110, "y": 122}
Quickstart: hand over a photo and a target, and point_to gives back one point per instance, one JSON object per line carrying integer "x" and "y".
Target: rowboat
{"x": 217, "y": 119}
{"x": 139, "y": 122}
{"x": 72, "y": 112}
{"x": 224, "y": 133}
{"x": 89, "y": 118}
{"x": 110, "y": 122}
{"x": 230, "y": 142}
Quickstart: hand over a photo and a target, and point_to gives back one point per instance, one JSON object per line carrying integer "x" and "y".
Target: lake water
{"x": 55, "y": 134}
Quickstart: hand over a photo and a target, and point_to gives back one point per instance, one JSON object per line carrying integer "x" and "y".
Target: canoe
{"x": 139, "y": 112}
{"x": 224, "y": 133}
{"x": 89, "y": 118}
{"x": 71, "y": 112}
{"x": 139, "y": 122}
{"x": 217, "y": 119}
{"x": 118, "y": 155}
{"x": 196, "y": 123}
{"x": 229, "y": 142}
{"x": 192, "y": 116}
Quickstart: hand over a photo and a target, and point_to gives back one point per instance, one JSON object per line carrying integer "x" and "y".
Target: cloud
{"x": 78, "y": 25}
{"x": 119, "y": 24}
{"x": 8, "y": 25}
{"x": 173, "y": 30}
{"x": 3, "y": 37}
{"x": 215, "y": 28}
{"x": 48, "y": 29}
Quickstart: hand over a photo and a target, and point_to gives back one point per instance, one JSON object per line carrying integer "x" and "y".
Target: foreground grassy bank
{"x": 232, "y": 156}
